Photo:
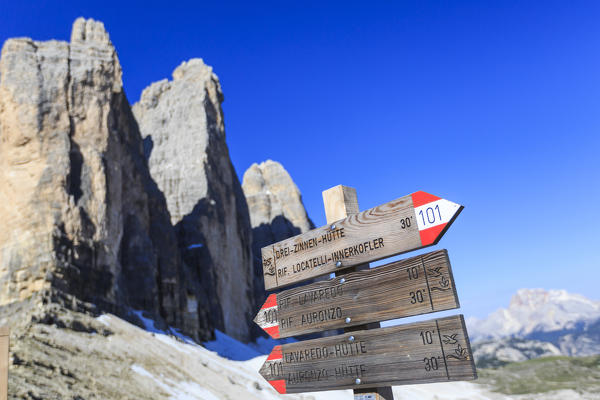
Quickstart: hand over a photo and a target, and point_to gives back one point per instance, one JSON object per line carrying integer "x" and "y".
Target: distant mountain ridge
{"x": 571, "y": 322}
{"x": 499, "y": 352}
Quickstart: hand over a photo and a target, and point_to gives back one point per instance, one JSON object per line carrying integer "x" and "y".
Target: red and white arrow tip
{"x": 434, "y": 216}
{"x": 275, "y": 357}
{"x": 267, "y": 317}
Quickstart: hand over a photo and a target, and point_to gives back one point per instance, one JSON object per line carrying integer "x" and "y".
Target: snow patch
{"x": 143, "y": 372}
{"x": 177, "y": 390}
{"x": 192, "y": 391}
{"x": 147, "y": 322}
{"x": 445, "y": 391}
{"x": 104, "y": 319}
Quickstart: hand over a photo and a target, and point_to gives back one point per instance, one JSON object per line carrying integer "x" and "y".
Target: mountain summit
{"x": 535, "y": 310}
{"x": 571, "y": 322}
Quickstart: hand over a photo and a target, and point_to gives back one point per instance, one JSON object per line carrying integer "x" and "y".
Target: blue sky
{"x": 494, "y": 105}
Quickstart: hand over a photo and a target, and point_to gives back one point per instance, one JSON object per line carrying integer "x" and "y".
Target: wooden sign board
{"x": 431, "y": 351}
{"x": 408, "y": 223}
{"x": 417, "y": 285}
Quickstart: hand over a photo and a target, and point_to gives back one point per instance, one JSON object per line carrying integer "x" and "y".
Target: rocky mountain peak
{"x": 272, "y": 193}
{"x": 195, "y": 69}
{"x": 195, "y": 94}
{"x": 82, "y": 214}
{"x": 89, "y": 31}
{"x": 536, "y": 310}
{"x": 91, "y": 51}
{"x": 62, "y": 116}
{"x": 535, "y": 299}
{"x": 276, "y": 213}
{"x": 181, "y": 121}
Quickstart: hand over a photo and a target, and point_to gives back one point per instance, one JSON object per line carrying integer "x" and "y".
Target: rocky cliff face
{"x": 276, "y": 213}
{"x": 182, "y": 124}
{"x": 271, "y": 193}
{"x": 80, "y": 212}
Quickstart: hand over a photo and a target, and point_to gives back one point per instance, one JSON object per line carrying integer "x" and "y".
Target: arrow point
{"x": 271, "y": 327}
{"x": 434, "y": 216}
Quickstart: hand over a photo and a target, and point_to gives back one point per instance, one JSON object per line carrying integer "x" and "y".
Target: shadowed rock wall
{"x": 79, "y": 209}
{"x": 276, "y": 213}
{"x": 182, "y": 124}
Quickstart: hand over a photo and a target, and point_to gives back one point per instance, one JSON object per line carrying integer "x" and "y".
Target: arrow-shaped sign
{"x": 414, "y": 286}
{"x": 431, "y": 351}
{"x": 408, "y": 223}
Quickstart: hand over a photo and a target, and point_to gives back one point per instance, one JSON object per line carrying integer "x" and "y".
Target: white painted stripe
{"x": 435, "y": 213}
{"x": 272, "y": 324}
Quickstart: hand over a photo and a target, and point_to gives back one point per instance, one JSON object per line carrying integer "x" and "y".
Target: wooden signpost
{"x": 408, "y": 223}
{"x": 341, "y": 202}
{"x": 414, "y": 286}
{"x": 365, "y": 358}
{"x": 437, "y": 350}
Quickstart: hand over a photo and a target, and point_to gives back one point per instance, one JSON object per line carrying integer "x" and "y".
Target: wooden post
{"x": 340, "y": 202}
{"x": 4, "y": 342}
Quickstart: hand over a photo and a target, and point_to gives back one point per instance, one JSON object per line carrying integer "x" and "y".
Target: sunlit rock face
{"x": 271, "y": 193}
{"x": 184, "y": 137}
{"x": 80, "y": 212}
{"x": 276, "y": 213}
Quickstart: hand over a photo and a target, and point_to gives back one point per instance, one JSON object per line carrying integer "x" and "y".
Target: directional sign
{"x": 414, "y": 286}
{"x": 431, "y": 351}
{"x": 408, "y": 223}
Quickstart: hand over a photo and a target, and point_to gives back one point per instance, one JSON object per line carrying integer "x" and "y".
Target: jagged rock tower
{"x": 80, "y": 212}
{"x": 182, "y": 124}
{"x": 130, "y": 209}
{"x": 276, "y": 213}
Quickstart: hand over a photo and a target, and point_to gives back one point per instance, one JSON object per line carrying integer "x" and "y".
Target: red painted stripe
{"x": 271, "y": 301}
{"x": 276, "y": 354}
{"x": 430, "y": 235}
{"x": 421, "y": 198}
{"x": 279, "y": 385}
{"x": 273, "y": 331}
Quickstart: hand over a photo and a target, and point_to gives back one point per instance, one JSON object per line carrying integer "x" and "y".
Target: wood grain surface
{"x": 437, "y": 350}
{"x": 340, "y": 202}
{"x": 382, "y": 231}
{"x": 417, "y": 285}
